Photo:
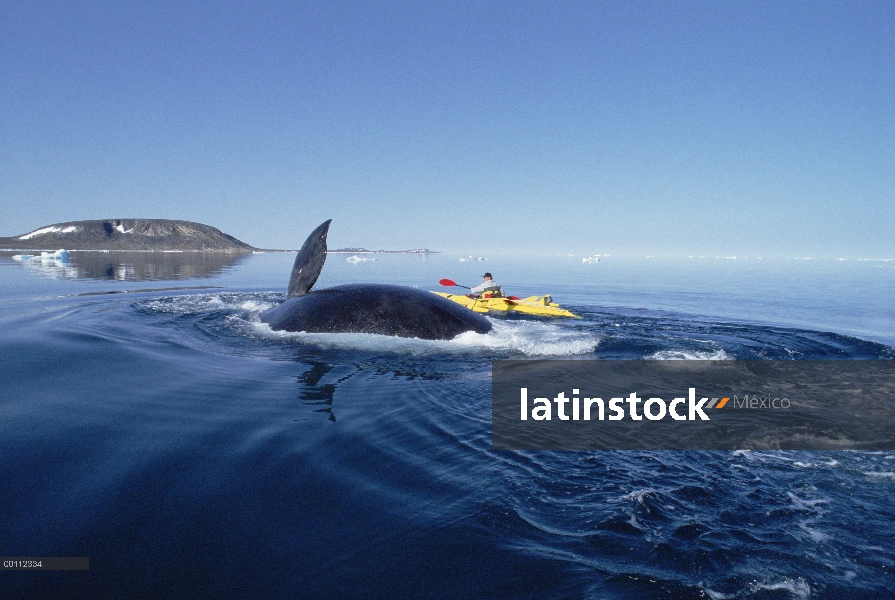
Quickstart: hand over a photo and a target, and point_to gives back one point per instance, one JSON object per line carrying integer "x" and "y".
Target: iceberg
{"x": 60, "y": 255}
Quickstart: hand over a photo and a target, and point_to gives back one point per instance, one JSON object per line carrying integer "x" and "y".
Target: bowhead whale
{"x": 363, "y": 307}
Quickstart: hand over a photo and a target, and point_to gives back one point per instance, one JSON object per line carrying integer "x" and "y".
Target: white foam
{"x": 638, "y": 495}
{"x": 193, "y": 304}
{"x": 256, "y": 306}
{"x": 814, "y": 534}
{"x": 50, "y": 229}
{"x": 810, "y": 465}
{"x": 879, "y": 474}
{"x": 533, "y": 339}
{"x": 753, "y": 455}
{"x": 689, "y": 355}
{"x": 713, "y": 595}
{"x": 357, "y": 341}
{"x": 798, "y": 587}
{"x": 633, "y": 522}
{"x": 806, "y": 505}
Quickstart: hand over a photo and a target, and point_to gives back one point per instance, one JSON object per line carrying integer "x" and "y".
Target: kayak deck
{"x": 543, "y": 306}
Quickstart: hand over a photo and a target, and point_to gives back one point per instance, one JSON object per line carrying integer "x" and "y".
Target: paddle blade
{"x": 448, "y": 282}
{"x": 514, "y": 298}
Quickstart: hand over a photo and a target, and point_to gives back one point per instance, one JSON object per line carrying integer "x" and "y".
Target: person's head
{"x": 486, "y": 276}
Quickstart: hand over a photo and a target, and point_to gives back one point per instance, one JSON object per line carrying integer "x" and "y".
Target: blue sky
{"x": 621, "y": 127}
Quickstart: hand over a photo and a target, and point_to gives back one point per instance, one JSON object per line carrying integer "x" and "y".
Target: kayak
{"x": 542, "y": 306}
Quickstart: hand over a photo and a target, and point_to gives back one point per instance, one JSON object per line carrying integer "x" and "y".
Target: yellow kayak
{"x": 543, "y": 306}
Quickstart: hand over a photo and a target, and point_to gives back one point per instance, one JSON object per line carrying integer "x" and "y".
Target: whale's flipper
{"x": 309, "y": 262}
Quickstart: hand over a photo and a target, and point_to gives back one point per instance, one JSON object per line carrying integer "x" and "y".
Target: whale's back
{"x": 375, "y": 308}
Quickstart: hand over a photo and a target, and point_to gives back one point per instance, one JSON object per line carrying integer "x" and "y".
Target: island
{"x": 128, "y": 235}
{"x": 147, "y": 235}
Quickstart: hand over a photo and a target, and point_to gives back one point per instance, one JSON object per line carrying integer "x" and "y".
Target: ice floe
{"x": 356, "y": 259}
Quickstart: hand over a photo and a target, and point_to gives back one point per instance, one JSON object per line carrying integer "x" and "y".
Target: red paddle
{"x": 451, "y": 283}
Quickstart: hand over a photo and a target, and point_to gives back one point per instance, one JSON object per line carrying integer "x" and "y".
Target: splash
{"x": 689, "y": 355}
{"x": 241, "y": 313}
{"x": 530, "y": 339}
{"x": 198, "y": 304}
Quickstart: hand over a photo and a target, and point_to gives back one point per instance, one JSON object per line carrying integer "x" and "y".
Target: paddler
{"x": 488, "y": 288}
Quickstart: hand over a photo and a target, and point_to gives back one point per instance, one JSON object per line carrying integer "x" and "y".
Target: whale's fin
{"x": 309, "y": 262}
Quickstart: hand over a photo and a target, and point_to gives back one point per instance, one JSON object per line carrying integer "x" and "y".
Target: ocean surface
{"x": 153, "y": 424}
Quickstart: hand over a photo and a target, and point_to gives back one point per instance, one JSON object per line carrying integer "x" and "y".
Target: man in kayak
{"x": 488, "y": 288}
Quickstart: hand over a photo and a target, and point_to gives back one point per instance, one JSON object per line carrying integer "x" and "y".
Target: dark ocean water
{"x": 191, "y": 452}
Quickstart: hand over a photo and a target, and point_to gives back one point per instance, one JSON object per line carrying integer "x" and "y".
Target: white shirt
{"x": 488, "y": 284}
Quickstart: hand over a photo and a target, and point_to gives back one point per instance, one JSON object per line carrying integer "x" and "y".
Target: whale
{"x": 375, "y": 308}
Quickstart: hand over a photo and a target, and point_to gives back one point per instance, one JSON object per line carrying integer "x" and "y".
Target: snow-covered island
{"x": 147, "y": 235}
{"x": 127, "y": 235}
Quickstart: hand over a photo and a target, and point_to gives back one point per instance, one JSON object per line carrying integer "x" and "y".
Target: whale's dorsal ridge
{"x": 374, "y": 308}
{"x": 309, "y": 262}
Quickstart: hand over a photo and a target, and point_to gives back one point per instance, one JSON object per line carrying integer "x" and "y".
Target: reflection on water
{"x": 316, "y": 394}
{"x": 128, "y": 266}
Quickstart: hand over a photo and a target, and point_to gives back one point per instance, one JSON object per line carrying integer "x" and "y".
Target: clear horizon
{"x": 699, "y": 128}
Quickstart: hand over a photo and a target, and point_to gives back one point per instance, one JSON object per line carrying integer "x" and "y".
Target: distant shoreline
{"x": 151, "y": 251}
{"x": 147, "y": 235}
{"x": 242, "y": 251}
{"x": 365, "y": 251}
